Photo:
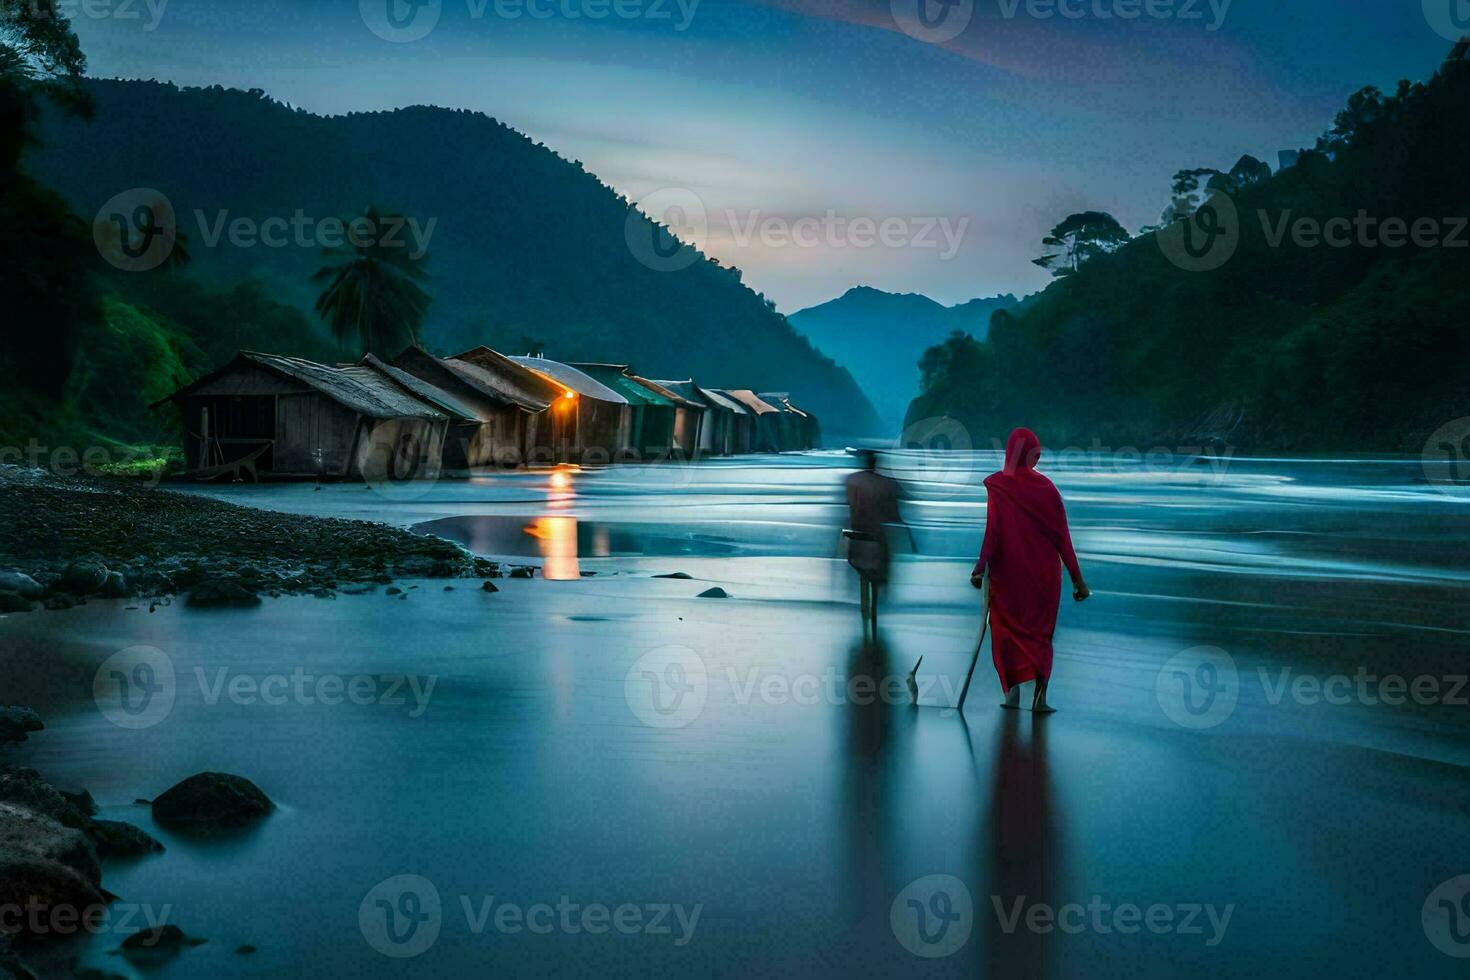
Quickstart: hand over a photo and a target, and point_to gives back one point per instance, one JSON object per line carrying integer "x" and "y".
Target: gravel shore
{"x": 64, "y": 540}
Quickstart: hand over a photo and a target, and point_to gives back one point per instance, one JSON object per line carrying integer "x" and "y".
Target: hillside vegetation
{"x": 1284, "y": 344}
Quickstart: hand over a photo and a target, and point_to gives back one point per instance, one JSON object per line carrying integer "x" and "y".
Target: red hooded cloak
{"x": 1026, "y": 544}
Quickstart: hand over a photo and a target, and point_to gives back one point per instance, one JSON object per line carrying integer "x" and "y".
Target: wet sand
{"x": 547, "y": 762}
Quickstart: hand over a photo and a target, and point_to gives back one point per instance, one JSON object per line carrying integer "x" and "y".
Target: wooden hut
{"x": 265, "y": 415}
{"x": 484, "y": 428}
{"x": 599, "y": 432}
{"x": 544, "y": 420}
{"x": 716, "y": 418}
{"x": 741, "y": 422}
{"x": 765, "y": 432}
{"x": 798, "y": 429}
{"x": 688, "y": 415}
{"x": 652, "y": 415}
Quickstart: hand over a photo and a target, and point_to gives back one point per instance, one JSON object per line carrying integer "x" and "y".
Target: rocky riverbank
{"x": 63, "y": 541}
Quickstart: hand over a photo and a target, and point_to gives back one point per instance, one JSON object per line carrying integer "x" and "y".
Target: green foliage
{"x": 1283, "y": 347}
{"x": 373, "y": 293}
{"x": 526, "y": 241}
{"x": 1079, "y": 238}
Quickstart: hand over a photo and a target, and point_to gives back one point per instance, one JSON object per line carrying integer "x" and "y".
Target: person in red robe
{"x": 1026, "y": 544}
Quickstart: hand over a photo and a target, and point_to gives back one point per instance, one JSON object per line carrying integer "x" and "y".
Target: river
{"x": 1258, "y": 765}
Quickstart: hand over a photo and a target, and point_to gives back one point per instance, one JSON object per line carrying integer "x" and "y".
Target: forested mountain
{"x": 1319, "y": 308}
{"x": 879, "y": 337}
{"x": 526, "y": 248}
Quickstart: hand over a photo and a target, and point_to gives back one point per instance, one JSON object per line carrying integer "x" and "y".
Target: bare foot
{"x": 1038, "y": 703}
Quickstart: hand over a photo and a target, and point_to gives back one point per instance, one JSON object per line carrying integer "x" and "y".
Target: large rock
{"x": 115, "y": 586}
{"x": 83, "y": 577}
{"x": 26, "y": 835}
{"x": 21, "y": 584}
{"x": 115, "y": 839}
{"x": 17, "y": 722}
{"x": 209, "y": 801}
{"x": 32, "y": 882}
{"x": 11, "y": 602}
{"x": 26, "y": 788}
{"x": 222, "y": 591}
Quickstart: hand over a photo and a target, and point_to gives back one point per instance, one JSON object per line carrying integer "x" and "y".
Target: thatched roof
{"x": 568, "y": 376}
{"x": 362, "y": 389}
{"x": 423, "y": 390}
{"x": 750, "y": 400}
{"x": 513, "y": 381}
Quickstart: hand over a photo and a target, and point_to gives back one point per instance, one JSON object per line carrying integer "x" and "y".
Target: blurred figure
{"x": 1026, "y": 544}
{"x": 872, "y": 502}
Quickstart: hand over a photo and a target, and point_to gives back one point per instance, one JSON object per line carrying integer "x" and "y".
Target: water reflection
{"x": 557, "y": 538}
{"x": 1021, "y": 853}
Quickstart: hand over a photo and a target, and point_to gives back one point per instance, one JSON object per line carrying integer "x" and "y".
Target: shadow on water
{"x": 1020, "y": 832}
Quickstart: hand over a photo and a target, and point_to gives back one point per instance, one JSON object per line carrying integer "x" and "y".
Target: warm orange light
{"x": 556, "y": 538}
{"x": 560, "y": 480}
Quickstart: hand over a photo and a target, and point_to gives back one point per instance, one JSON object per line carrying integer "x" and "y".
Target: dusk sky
{"x": 791, "y": 109}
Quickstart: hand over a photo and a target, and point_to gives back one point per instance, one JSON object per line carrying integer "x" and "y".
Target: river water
{"x": 1258, "y": 763}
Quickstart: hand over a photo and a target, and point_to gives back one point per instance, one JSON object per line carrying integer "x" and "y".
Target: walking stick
{"x": 974, "y": 660}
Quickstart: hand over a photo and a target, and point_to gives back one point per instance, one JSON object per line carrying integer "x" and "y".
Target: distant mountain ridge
{"x": 526, "y": 247}
{"x": 880, "y": 336}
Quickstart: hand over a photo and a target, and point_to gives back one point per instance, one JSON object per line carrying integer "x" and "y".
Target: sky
{"x": 910, "y": 145}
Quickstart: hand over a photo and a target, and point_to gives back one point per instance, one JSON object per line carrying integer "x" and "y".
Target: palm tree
{"x": 373, "y": 288}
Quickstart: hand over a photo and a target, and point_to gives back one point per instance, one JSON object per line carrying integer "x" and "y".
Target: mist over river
{"x": 1260, "y": 747}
